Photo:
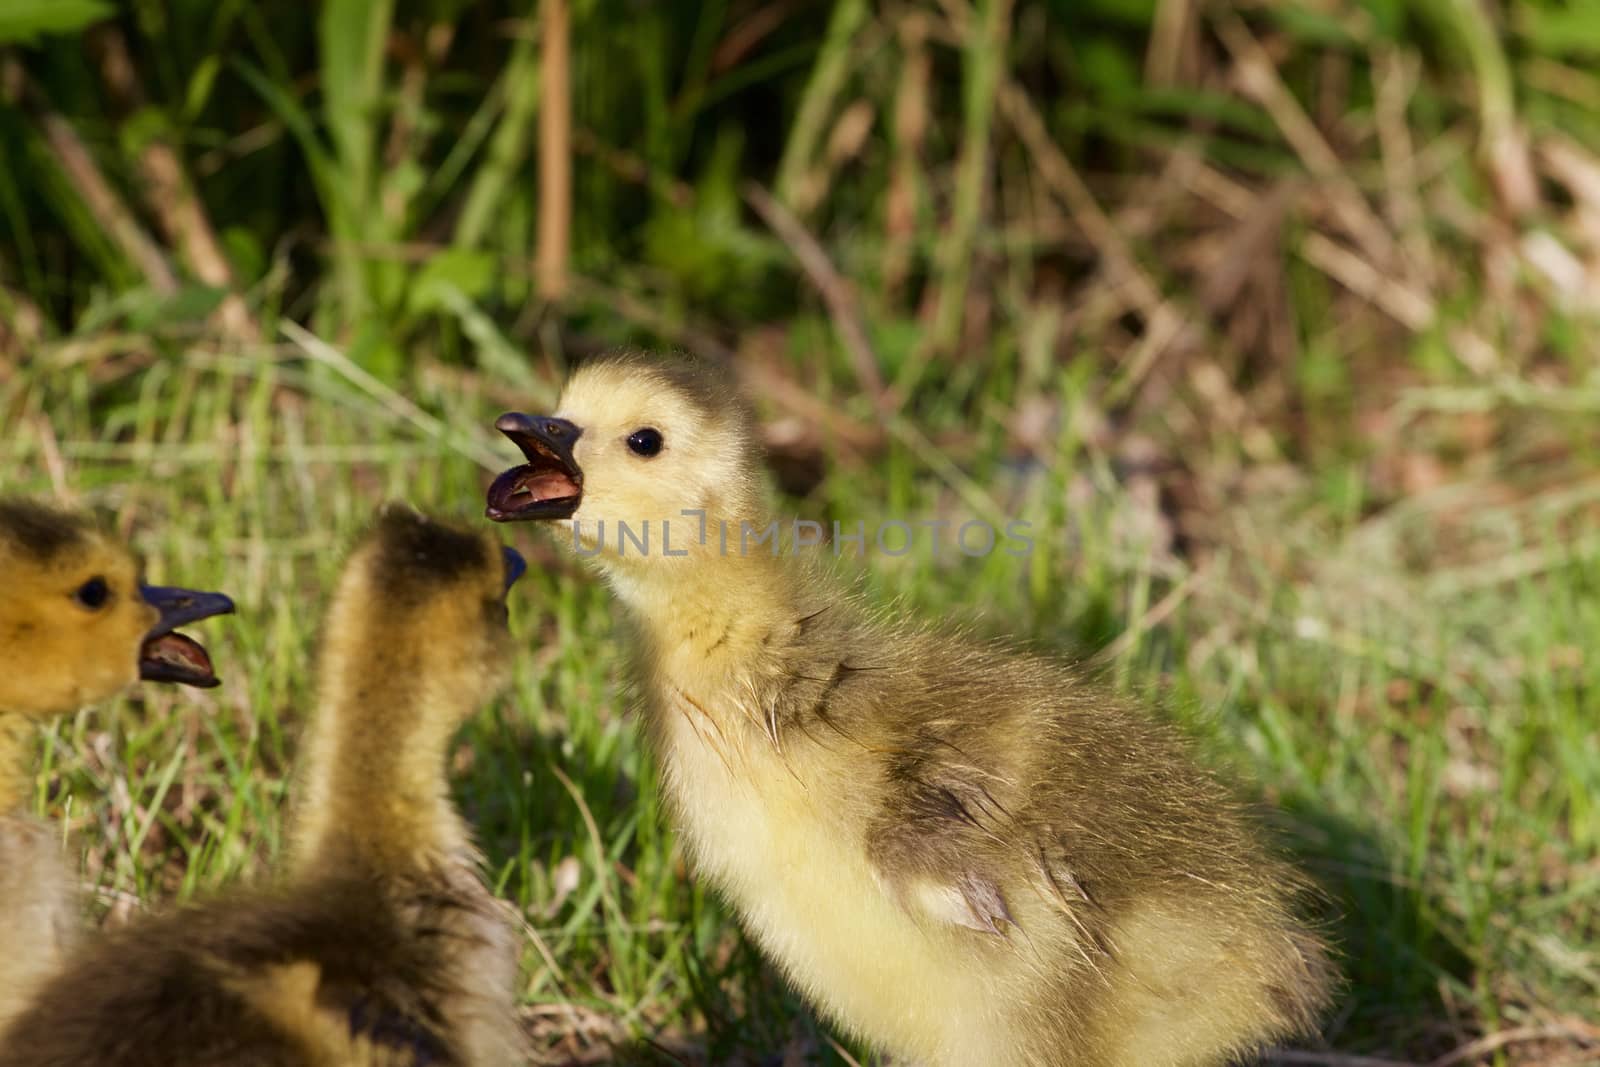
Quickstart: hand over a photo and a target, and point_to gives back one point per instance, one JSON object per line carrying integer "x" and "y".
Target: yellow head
{"x": 418, "y": 625}
{"x": 646, "y": 458}
{"x": 76, "y": 623}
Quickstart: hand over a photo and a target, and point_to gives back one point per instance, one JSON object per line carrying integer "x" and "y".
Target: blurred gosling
{"x": 77, "y": 626}
{"x": 383, "y": 947}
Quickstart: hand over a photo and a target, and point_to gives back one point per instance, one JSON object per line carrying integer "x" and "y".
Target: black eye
{"x": 93, "y": 593}
{"x": 645, "y": 442}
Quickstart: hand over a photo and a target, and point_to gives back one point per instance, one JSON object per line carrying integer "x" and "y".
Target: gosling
{"x": 960, "y": 853}
{"x": 383, "y": 946}
{"x": 77, "y": 626}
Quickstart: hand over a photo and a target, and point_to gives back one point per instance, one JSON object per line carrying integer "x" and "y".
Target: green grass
{"x": 1290, "y": 364}
{"x": 1422, "y": 728}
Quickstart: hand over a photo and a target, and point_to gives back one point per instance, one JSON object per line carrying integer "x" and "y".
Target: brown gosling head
{"x": 77, "y": 624}
{"x": 636, "y": 440}
{"x": 422, "y": 603}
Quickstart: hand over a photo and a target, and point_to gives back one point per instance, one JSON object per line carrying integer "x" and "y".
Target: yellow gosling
{"x": 962, "y": 853}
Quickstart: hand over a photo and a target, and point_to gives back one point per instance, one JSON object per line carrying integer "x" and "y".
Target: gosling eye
{"x": 93, "y": 594}
{"x": 646, "y": 442}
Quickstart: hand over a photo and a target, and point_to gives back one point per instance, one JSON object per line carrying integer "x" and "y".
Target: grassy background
{"x": 1277, "y": 319}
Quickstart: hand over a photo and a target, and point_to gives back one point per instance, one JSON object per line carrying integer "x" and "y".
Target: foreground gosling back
{"x": 77, "y": 626}
{"x": 382, "y": 946}
{"x": 963, "y": 854}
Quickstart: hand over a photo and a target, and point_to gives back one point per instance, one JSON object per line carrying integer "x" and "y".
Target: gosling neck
{"x": 707, "y": 616}
{"x": 16, "y": 745}
{"x": 374, "y": 788}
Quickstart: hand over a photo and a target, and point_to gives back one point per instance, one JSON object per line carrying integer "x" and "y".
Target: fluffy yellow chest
{"x": 764, "y": 831}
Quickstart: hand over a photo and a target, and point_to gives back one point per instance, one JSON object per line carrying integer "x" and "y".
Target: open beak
{"x": 549, "y": 485}
{"x": 168, "y": 656}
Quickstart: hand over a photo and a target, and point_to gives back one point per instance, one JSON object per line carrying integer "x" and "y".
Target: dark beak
{"x": 168, "y": 656}
{"x": 516, "y": 566}
{"x": 549, "y": 485}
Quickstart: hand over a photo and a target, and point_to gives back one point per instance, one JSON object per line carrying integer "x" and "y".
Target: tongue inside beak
{"x": 174, "y": 657}
{"x": 518, "y": 489}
